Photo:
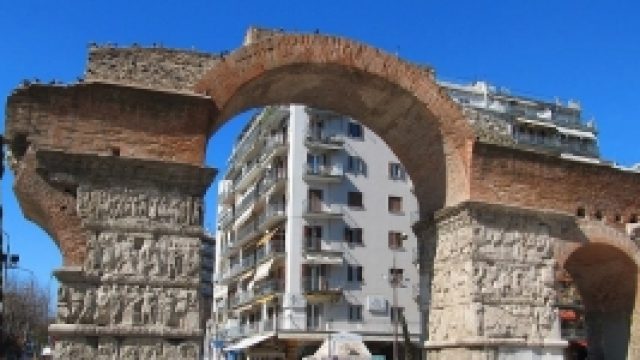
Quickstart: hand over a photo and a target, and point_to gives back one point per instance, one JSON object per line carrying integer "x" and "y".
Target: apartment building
{"x": 314, "y": 222}
{"x": 314, "y": 237}
{"x": 530, "y": 123}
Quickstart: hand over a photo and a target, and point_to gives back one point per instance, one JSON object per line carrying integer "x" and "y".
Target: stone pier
{"x": 137, "y": 294}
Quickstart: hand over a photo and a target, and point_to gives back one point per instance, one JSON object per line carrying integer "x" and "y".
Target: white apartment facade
{"x": 314, "y": 237}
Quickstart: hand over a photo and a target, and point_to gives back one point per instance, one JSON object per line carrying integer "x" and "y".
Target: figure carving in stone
{"x": 191, "y": 263}
{"x": 197, "y": 213}
{"x": 149, "y": 307}
{"x": 168, "y": 305}
{"x": 94, "y": 253}
{"x": 106, "y": 350}
{"x": 188, "y": 351}
{"x": 64, "y": 301}
{"x": 182, "y": 305}
{"x": 130, "y": 352}
{"x": 116, "y": 303}
{"x": 77, "y": 300}
{"x": 102, "y": 306}
{"x": 88, "y": 306}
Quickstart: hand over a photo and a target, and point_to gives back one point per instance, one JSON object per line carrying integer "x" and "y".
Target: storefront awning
{"x": 247, "y": 343}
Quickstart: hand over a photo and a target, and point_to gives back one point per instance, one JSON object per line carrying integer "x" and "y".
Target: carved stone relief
{"x": 493, "y": 276}
{"x": 128, "y": 205}
{"x": 113, "y": 304}
{"x": 142, "y": 255}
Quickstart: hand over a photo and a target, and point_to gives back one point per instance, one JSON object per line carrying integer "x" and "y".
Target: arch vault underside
{"x": 112, "y": 168}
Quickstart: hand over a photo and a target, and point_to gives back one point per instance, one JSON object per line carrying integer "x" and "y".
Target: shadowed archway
{"x": 606, "y": 279}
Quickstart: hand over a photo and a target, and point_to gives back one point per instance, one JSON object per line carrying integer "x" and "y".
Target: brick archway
{"x": 604, "y": 268}
{"x": 401, "y": 102}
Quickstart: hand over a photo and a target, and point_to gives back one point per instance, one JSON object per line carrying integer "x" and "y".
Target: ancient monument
{"x": 112, "y": 168}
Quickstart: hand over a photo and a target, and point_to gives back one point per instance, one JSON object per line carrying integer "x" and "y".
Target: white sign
{"x": 376, "y": 303}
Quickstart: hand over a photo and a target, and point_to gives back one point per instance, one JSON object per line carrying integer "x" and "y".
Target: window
{"x": 312, "y": 237}
{"x": 355, "y": 130}
{"x": 396, "y": 311}
{"x": 315, "y": 200}
{"x": 395, "y": 240}
{"x": 354, "y": 199}
{"x": 355, "y": 312}
{"x": 353, "y": 235}
{"x": 356, "y": 165}
{"x": 396, "y": 171}
{"x": 395, "y": 204}
{"x": 354, "y": 273}
{"x": 396, "y": 276}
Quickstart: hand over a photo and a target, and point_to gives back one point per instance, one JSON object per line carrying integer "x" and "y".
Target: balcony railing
{"x": 320, "y": 209}
{"x": 324, "y": 140}
{"x": 247, "y": 200}
{"x": 247, "y": 174}
{"x": 269, "y": 287}
{"x": 226, "y": 218}
{"x": 247, "y": 231}
{"x": 318, "y": 284}
{"x": 273, "y": 212}
{"x": 272, "y": 143}
{"x": 325, "y": 171}
{"x": 253, "y": 328}
{"x": 270, "y": 180}
{"x": 273, "y": 247}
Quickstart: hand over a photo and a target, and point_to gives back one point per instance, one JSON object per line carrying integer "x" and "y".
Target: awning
{"x": 342, "y": 345}
{"x": 578, "y": 133}
{"x": 247, "y": 342}
{"x": 263, "y": 270}
{"x": 535, "y": 122}
{"x": 568, "y": 314}
{"x": 265, "y": 239}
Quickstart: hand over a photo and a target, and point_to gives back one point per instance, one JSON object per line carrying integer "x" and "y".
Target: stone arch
{"x": 401, "y": 102}
{"x": 604, "y": 268}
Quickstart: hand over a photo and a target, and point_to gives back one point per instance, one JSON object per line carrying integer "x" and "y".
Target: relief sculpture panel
{"x": 493, "y": 276}
{"x": 137, "y": 206}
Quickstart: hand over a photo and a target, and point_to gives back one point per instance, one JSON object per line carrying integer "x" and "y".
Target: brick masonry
{"x": 161, "y": 105}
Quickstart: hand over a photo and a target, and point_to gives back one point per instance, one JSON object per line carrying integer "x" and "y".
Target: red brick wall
{"x": 534, "y": 180}
{"x": 98, "y": 118}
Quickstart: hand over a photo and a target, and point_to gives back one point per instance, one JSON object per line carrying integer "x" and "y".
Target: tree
{"x": 26, "y": 316}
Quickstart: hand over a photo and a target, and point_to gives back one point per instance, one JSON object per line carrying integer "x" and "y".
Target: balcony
{"x": 271, "y": 249}
{"x": 274, "y": 146}
{"x": 273, "y": 214}
{"x": 321, "y": 211}
{"x": 324, "y": 173}
{"x": 225, "y": 193}
{"x": 250, "y": 173}
{"x": 320, "y": 288}
{"x": 268, "y": 287}
{"x": 319, "y": 252}
{"x": 247, "y": 232}
{"x": 320, "y": 141}
{"x": 272, "y": 182}
{"x": 244, "y": 207}
{"x": 226, "y": 218}
{"x": 248, "y": 329}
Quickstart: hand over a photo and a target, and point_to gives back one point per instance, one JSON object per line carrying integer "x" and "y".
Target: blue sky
{"x": 583, "y": 50}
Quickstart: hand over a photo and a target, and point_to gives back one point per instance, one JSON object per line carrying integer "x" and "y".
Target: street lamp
{"x": 396, "y": 280}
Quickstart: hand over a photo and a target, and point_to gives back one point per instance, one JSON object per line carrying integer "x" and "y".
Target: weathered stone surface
{"x": 156, "y": 68}
{"x": 111, "y": 169}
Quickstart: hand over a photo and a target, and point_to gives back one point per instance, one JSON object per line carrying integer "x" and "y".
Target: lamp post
{"x": 395, "y": 279}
